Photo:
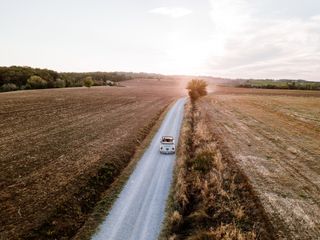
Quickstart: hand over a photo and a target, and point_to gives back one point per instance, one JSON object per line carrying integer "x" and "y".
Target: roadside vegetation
{"x": 210, "y": 198}
{"x": 197, "y": 88}
{"x": 280, "y": 84}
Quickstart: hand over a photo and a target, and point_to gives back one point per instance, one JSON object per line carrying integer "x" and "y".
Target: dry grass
{"x": 61, "y": 148}
{"x": 274, "y": 136}
{"x": 211, "y": 198}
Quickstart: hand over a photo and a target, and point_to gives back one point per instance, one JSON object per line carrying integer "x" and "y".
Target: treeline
{"x": 19, "y": 78}
{"x": 142, "y": 75}
{"x": 280, "y": 84}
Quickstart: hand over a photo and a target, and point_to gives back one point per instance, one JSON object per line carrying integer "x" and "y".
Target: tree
{"x": 8, "y": 87}
{"x": 36, "y": 82}
{"x": 60, "y": 83}
{"x": 197, "y": 88}
{"x": 88, "y": 82}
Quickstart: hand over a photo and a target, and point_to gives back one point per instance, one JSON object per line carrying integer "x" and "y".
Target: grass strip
{"x": 210, "y": 198}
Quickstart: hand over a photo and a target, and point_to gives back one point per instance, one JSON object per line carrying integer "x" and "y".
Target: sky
{"x": 223, "y": 38}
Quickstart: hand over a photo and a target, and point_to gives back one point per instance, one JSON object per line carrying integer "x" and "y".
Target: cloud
{"x": 259, "y": 46}
{"x": 172, "y": 12}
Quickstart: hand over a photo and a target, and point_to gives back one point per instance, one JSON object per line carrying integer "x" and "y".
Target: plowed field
{"x": 60, "y": 148}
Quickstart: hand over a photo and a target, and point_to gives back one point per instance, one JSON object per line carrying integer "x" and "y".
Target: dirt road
{"x": 139, "y": 210}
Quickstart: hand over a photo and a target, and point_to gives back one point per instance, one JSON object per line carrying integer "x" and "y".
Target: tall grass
{"x": 211, "y": 199}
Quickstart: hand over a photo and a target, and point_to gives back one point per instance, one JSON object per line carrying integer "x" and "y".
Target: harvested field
{"x": 274, "y": 135}
{"x": 61, "y": 148}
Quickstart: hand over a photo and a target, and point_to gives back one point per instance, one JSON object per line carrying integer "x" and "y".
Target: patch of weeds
{"x": 203, "y": 161}
{"x": 303, "y": 195}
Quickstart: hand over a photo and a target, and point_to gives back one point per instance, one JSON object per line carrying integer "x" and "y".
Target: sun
{"x": 191, "y": 55}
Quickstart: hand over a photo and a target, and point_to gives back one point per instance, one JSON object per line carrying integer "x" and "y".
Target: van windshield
{"x": 167, "y": 140}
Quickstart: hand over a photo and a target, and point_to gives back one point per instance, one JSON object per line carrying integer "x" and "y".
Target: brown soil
{"x": 274, "y": 135}
{"x": 61, "y": 148}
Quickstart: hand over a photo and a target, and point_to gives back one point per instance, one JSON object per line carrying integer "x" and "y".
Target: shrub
{"x": 88, "y": 82}
{"x": 197, "y": 88}
{"x": 175, "y": 219}
{"x": 60, "y": 83}
{"x": 8, "y": 87}
{"x": 203, "y": 161}
{"x": 35, "y": 82}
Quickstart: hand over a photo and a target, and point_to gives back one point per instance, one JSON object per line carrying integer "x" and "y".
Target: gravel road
{"x": 139, "y": 210}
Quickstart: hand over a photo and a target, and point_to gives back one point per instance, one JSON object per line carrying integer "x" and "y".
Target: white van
{"x": 167, "y": 145}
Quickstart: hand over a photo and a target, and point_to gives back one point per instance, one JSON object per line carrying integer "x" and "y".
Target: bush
{"x": 60, "y": 83}
{"x": 197, "y": 88}
{"x": 88, "y": 82}
{"x": 203, "y": 161}
{"x": 8, "y": 87}
{"x": 36, "y": 82}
